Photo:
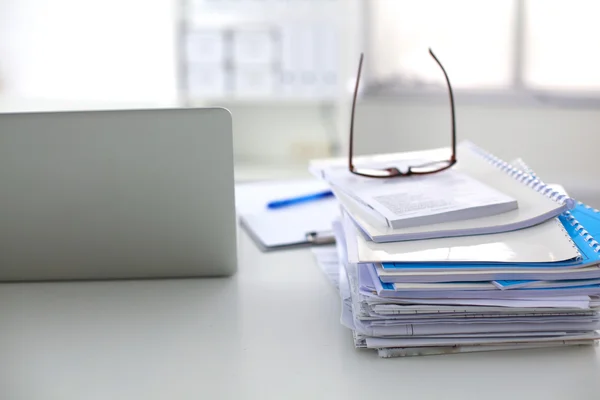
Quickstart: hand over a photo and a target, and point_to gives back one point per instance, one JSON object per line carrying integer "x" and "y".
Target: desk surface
{"x": 271, "y": 332}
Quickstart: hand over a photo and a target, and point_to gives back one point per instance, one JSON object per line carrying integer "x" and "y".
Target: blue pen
{"x": 300, "y": 199}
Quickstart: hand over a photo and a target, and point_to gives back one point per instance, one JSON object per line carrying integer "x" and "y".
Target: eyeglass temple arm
{"x": 451, "y": 105}
{"x": 354, "y": 99}
{"x": 351, "y": 143}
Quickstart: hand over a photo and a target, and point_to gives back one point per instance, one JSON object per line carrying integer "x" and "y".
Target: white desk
{"x": 272, "y": 332}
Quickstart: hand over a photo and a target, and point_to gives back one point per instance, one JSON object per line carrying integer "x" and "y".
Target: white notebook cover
{"x": 546, "y": 242}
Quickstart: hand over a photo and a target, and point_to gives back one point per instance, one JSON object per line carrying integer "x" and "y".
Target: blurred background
{"x": 526, "y": 73}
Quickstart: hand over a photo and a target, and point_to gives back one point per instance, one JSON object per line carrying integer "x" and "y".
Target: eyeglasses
{"x": 391, "y": 172}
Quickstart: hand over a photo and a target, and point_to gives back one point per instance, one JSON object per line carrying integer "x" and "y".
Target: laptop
{"x": 117, "y": 194}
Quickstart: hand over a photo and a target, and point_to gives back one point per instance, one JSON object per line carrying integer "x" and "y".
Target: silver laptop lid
{"x": 117, "y": 194}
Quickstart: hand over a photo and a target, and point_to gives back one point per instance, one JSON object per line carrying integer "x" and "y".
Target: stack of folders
{"x": 504, "y": 278}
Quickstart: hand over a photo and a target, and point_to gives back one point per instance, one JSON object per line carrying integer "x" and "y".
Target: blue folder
{"x": 588, "y": 217}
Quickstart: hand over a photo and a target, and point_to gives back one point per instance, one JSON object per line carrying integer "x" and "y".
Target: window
{"x": 492, "y": 45}
{"x": 561, "y": 45}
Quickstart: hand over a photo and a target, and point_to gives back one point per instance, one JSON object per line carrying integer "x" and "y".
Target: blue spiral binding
{"x": 588, "y": 207}
{"x": 583, "y": 232}
{"x": 523, "y": 177}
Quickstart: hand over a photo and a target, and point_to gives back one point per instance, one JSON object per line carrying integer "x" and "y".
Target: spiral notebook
{"x": 586, "y": 219}
{"x": 586, "y": 215}
{"x": 537, "y": 202}
{"x": 547, "y": 242}
{"x": 587, "y": 267}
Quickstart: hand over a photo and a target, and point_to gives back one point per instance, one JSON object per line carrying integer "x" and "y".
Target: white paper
{"x": 581, "y": 302}
{"x": 439, "y": 350}
{"x": 414, "y": 342}
{"x": 410, "y": 329}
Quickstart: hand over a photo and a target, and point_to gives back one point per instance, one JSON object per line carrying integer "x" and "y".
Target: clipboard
{"x": 302, "y": 225}
{"x": 317, "y": 238}
{"x": 266, "y": 243}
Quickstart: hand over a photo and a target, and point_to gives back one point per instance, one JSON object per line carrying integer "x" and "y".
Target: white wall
{"x": 103, "y": 50}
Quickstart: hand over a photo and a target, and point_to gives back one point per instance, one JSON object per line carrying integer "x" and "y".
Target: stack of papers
{"x": 531, "y": 281}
